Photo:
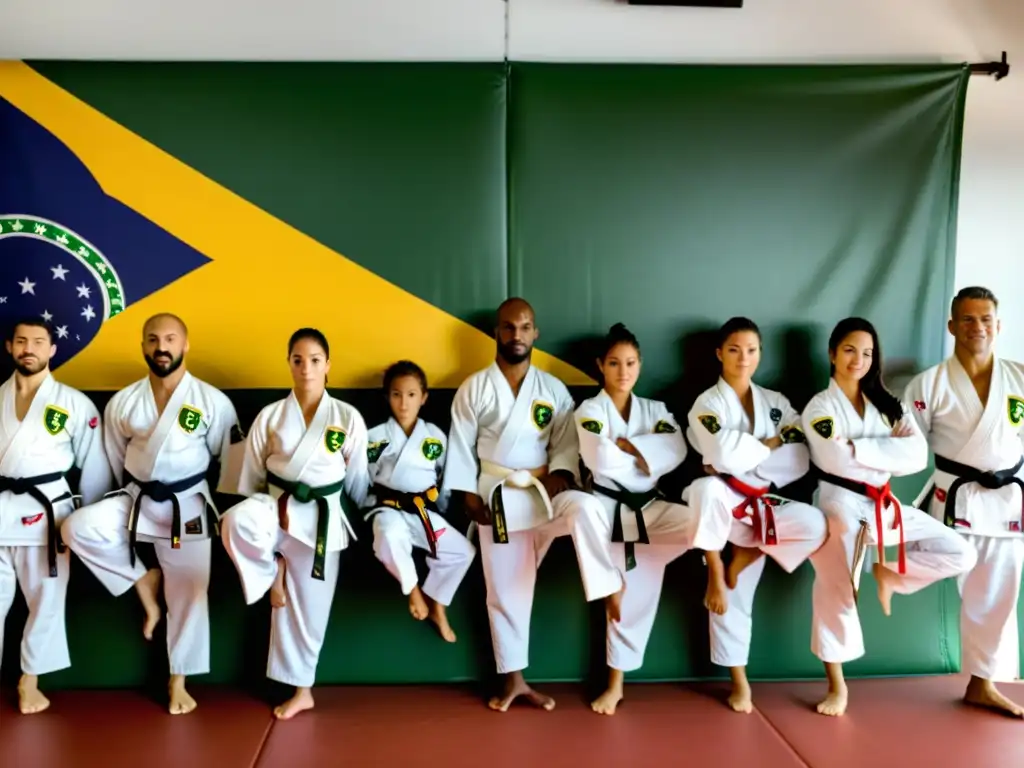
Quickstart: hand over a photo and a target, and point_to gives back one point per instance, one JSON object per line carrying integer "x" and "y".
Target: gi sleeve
{"x": 252, "y": 478}
{"x": 357, "y": 476}
{"x": 115, "y": 436}
{"x": 731, "y": 451}
{"x": 563, "y": 444}
{"x": 226, "y": 444}
{"x": 599, "y": 452}
{"x": 462, "y": 471}
{"x": 791, "y": 460}
{"x": 444, "y": 493}
{"x": 90, "y": 457}
{"x": 664, "y": 449}
{"x": 899, "y": 456}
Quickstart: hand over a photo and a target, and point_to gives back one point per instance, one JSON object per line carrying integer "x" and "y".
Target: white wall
{"x": 991, "y": 221}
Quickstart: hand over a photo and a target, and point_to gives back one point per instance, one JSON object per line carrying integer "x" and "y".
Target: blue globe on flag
{"x": 53, "y": 273}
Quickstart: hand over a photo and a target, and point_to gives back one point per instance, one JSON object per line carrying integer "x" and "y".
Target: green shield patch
{"x": 824, "y": 426}
{"x": 189, "y": 419}
{"x": 55, "y": 419}
{"x": 710, "y": 422}
{"x": 793, "y": 435}
{"x": 374, "y": 450}
{"x": 334, "y": 438}
{"x": 664, "y": 428}
{"x": 1015, "y": 409}
{"x": 542, "y": 413}
{"x": 432, "y": 449}
{"x": 592, "y": 425}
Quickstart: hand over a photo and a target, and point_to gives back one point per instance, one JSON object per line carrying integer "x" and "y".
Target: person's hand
{"x": 556, "y": 482}
{"x": 902, "y": 429}
{"x": 772, "y": 442}
{"x": 476, "y": 510}
{"x": 710, "y": 470}
{"x": 628, "y": 447}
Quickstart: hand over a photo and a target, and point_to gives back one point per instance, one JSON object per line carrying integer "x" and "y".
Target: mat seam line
{"x": 263, "y": 743}
{"x": 783, "y": 739}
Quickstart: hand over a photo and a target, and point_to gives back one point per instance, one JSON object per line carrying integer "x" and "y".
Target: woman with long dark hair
{"x": 860, "y": 435}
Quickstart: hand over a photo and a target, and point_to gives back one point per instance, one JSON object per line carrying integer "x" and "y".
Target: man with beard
{"x": 46, "y": 430}
{"x": 513, "y": 443}
{"x": 160, "y": 434}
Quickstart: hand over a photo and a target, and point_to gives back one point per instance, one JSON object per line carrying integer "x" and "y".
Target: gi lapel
{"x": 177, "y": 415}
{"x": 40, "y": 414}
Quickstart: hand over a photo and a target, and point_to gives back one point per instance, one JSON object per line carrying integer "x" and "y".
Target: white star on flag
{"x": 83, "y": 291}
{"x": 47, "y": 316}
{"x": 27, "y": 287}
{"x": 3, "y": 299}
{"x": 59, "y": 272}
{"x": 62, "y": 332}
{"x": 88, "y": 312}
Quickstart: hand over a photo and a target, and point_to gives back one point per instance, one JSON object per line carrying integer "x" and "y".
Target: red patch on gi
{"x": 1015, "y": 525}
{"x": 93, "y": 422}
{"x": 919, "y": 404}
{"x": 32, "y": 520}
{"x": 940, "y": 495}
{"x": 438, "y": 532}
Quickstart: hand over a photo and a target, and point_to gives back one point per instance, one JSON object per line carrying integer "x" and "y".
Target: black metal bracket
{"x": 998, "y": 69}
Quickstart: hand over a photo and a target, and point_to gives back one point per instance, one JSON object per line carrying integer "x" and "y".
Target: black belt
{"x": 636, "y": 503}
{"x": 158, "y": 492}
{"x": 967, "y": 474}
{"x": 303, "y": 493}
{"x": 30, "y": 486}
{"x": 414, "y": 504}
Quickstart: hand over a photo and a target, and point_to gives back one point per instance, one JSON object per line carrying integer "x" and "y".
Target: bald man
{"x": 169, "y": 438}
{"x": 514, "y": 454}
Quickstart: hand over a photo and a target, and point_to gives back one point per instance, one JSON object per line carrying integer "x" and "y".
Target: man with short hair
{"x": 971, "y": 408}
{"x": 161, "y": 434}
{"x": 47, "y": 429}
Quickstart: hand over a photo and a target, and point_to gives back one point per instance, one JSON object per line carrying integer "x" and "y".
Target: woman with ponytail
{"x": 860, "y": 435}
{"x": 627, "y": 443}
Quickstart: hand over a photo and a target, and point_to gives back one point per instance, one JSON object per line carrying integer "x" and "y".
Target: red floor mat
{"x": 123, "y": 729}
{"x": 450, "y": 727}
{"x": 903, "y": 723}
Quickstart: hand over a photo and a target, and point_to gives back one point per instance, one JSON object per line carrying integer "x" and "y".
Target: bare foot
{"x": 741, "y": 699}
{"x": 715, "y": 599}
{"x": 606, "y": 703}
{"x": 148, "y": 588}
{"x": 983, "y": 693}
{"x": 301, "y": 701}
{"x": 613, "y": 606}
{"x": 834, "y": 704}
{"x": 515, "y": 686}
{"x": 439, "y": 616}
{"x": 181, "y": 702}
{"x": 30, "y": 699}
{"x": 278, "y": 597}
{"x": 741, "y": 558}
{"x": 418, "y": 605}
{"x": 885, "y": 581}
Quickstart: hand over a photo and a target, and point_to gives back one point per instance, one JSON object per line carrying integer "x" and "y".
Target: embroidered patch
{"x": 189, "y": 419}
{"x": 664, "y": 428}
{"x": 374, "y": 450}
{"x": 774, "y": 501}
{"x": 592, "y": 425}
{"x": 542, "y": 413}
{"x": 919, "y": 405}
{"x": 194, "y": 526}
{"x": 710, "y": 422}
{"x": 775, "y": 415}
{"x": 237, "y": 435}
{"x": 1015, "y": 410}
{"x": 438, "y": 532}
{"x": 334, "y": 438}
{"x": 793, "y": 435}
{"x": 823, "y": 426}
{"x": 32, "y": 520}
{"x": 94, "y": 422}
{"x": 55, "y": 419}
{"x": 940, "y": 495}
{"x": 432, "y": 449}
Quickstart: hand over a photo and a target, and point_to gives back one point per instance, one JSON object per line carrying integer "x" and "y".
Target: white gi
{"x": 986, "y": 438}
{"x": 498, "y": 445}
{"x": 868, "y": 519}
{"x": 414, "y": 467}
{"x": 606, "y": 532}
{"x": 58, "y": 433}
{"x": 161, "y": 460}
{"x": 749, "y": 471}
{"x": 295, "y": 476}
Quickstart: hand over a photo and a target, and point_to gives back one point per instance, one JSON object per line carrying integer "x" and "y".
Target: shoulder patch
{"x": 334, "y": 438}
{"x": 920, "y": 405}
{"x": 94, "y": 422}
{"x": 775, "y": 415}
{"x": 55, "y": 419}
{"x": 793, "y": 435}
{"x": 1015, "y": 409}
{"x": 824, "y": 426}
{"x": 189, "y": 419}
{"x": 664, "y": 428}
{"x": 710, "y": 422}
{"x": 432, "y": 448}
{"x": 237, "y": 435}
{"x": 542, "y": 413}
{"x": 592, "y": 425}
{"x": 374, "y": 450}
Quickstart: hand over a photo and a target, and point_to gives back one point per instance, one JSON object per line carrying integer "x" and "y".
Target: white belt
{"x": 518, "y": 478}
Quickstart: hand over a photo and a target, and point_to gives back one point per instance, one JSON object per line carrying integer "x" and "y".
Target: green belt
{"x": 319, "y": 494}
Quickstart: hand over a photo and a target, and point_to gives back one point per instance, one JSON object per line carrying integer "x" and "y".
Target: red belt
{"x": 753, "y": 501}
{"x": 883, "y": 497}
